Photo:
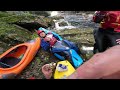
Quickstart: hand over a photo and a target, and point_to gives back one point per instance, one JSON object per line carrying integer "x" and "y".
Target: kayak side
{"x": 32, "y": 48}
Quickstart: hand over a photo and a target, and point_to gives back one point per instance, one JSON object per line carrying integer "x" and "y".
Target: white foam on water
{"x": 53, "y": 13}
{"x": 58, "y": 27}
{"x": 87, "y": 48}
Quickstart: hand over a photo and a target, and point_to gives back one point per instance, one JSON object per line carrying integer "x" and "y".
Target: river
{"x": 75, "y": 20}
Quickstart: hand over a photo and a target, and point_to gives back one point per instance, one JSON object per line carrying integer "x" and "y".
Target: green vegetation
{"x": 11, "y": 35}
{"x": 81, "y": 35}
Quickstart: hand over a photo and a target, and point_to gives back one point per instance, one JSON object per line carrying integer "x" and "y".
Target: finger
{"x": 46, "y": 65}
{"x": 45, "y": 68}
{"x": 118, "y": 42}
{"x": 50, "y": 71}
{"x": 117, "y": 39}
{"x": 48, "y": 68}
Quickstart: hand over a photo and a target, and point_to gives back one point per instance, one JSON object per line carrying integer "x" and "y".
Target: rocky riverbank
{"x": 16, "y": 28}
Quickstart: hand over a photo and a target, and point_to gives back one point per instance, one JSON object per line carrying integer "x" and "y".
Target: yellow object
{"x": 63, "y": 74}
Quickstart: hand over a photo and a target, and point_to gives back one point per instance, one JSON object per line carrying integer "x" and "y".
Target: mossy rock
{"x": 63, "y": 24}
{"x": 11, "y": 18}
{"x": 57, "y": 17}
{"x": 12, "y": 35}
{"x": 80, "y": 35}
{"x": 42, "y": 13}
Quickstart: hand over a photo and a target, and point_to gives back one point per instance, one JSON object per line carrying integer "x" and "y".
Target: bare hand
{"x": 47, "y": 71}
{"x": 118, "y": 41}
{"x": 47, "y": 39}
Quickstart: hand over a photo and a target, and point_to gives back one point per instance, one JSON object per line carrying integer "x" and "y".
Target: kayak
{"x": 15, "y": 59}
{"x": 63, "y": 69}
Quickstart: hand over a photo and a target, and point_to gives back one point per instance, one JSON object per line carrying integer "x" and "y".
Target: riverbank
{"x": 12, "y": 34}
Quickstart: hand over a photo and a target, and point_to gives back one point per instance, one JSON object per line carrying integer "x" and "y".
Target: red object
{"x": 31, "y": 78}
{"x": 108, "y": 19}
{"x": 39, "y": 31}
{"x": 53, "y": 41}
{"x": 99, "y": 16}
{"x": 112, "y": 20}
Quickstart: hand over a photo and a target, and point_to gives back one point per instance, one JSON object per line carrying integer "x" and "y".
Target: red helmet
{"x": 39, "y": 31}
{"x": 101, "y": 13}
{"x": 99, "y": 16}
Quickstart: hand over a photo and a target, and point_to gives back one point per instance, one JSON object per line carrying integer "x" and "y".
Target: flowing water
{"x": 75, "y": 20}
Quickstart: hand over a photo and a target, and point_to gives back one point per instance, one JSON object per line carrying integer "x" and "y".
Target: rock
{"x": 11, "y": 35}
{"x": 31, "y": 25}
{"x": 42, "y": 13}
{"x": 1, "y": 50}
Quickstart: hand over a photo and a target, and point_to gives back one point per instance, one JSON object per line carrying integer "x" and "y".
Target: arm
{"x": 94, "y": 68}
{"x": 57, "y": 36}
{"x": 101, "y": 65}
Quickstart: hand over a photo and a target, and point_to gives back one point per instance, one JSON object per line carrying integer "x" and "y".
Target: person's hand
{"x": 47, "y": 71}
{"x": 118, "y": 41}
{"x": 47, "y": 39}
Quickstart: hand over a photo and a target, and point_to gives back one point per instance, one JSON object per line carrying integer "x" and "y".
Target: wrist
{"x": 73, "y": 76}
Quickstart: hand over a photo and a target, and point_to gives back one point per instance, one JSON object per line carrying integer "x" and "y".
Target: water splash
{"x": 58, "y": 27}
{"x": 53, "y": 13}
{"x": 87, "y": 48}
